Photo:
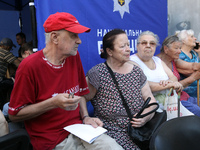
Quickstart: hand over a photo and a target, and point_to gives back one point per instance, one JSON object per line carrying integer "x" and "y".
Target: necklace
{"x": 52, "y": 65}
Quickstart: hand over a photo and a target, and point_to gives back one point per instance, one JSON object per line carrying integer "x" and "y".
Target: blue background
{"x": 99, "y": 16}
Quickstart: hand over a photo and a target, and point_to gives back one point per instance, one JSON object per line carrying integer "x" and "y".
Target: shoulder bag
{"x": 141, "y": 136}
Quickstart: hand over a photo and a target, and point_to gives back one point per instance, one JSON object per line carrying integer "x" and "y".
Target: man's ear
{"x": 54, "y": 37}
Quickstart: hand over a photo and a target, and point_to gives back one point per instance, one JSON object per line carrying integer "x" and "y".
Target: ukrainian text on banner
{"x": 133, "y": 16}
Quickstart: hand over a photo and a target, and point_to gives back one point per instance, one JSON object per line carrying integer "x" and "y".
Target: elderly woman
{"x": 188, "y": 54}
{"x": 170, "y": 50}
{"x": 159, "y": 76}
{"x": 105, "y": 96}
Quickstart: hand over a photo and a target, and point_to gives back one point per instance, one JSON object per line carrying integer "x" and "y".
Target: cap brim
{"x": 78, "y": 29}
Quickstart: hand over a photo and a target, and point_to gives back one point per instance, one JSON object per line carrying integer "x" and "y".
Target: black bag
{"x": 141, "y": 136}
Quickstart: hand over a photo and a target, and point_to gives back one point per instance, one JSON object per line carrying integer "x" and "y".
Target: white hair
{"x": 183, "y": 34}
{"x": 47, "y": 37}
{"x": 149, "y": 33}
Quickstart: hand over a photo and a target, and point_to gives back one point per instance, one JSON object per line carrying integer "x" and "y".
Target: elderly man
{"x": 49, "y": 89}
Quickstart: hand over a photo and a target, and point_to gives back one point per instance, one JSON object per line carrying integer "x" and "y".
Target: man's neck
{"x": 52, "y": 56}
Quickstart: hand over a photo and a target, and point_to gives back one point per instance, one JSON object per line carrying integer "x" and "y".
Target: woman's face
{"x": 121, "y": 51}
{"x": 173, "y": 50}
{"x": 190, "y": 41}
{"x": 146, "y": 47}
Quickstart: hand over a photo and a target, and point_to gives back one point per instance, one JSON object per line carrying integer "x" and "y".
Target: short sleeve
{"x": 143, "y": 78}
{"x": 93, "y": 76}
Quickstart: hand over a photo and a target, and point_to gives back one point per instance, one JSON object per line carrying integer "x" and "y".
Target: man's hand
{"x": 66, "y": 101}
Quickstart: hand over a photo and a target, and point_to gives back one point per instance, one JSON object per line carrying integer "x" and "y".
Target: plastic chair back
{"x": 17, "y": 140}
{"x": 181, "y": 133}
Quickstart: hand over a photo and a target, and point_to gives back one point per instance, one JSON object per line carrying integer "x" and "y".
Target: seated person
{"x": 188, "y": 54}
{"x": 49, "y": 89}
{"x": 27, "y": 49}
{"x": 6, "y": 57}
{"x": 170, "y": 50}
{"x": 104, "y": 95}
{"x": 159, "y": 75}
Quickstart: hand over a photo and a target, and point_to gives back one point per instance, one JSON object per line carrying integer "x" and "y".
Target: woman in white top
{"x": 159, "y": 76}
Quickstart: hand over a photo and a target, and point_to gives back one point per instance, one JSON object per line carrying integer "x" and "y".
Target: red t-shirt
{"x": 37, "y": 80}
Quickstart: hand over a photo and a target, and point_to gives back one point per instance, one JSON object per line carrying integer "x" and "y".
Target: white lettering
{"x": 99, "y": 32}
{"x": 99, "y": 43}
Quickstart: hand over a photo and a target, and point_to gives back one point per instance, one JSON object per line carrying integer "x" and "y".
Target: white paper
{"x": 85, "y": 132}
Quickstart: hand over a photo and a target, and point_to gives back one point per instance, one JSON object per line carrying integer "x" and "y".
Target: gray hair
{"x": 183, "y": 34}
{"x": 148, "y": 33}
{"x": 168, "y": 41}
{"x": 47, "y": 37}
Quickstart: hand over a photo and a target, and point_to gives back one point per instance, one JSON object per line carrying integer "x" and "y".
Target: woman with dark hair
{"x": 132, "y": 82}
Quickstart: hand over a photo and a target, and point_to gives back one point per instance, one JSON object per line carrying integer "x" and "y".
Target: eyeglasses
{"x": 144, "y": 43}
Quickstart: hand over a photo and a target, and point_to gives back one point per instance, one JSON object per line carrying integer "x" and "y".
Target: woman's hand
{"x": 195, "y": 75}
{"x": 176, "y": 85}
{"x": 165, "y": 82}
{"x": 139, "y": 122}
{"x": 95, "y": 122}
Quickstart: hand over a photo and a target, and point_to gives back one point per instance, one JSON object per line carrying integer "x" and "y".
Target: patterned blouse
{"x": 108, "y": 104}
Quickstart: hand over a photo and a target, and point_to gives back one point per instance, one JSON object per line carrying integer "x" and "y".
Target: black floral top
{"x": 108, "y": 104}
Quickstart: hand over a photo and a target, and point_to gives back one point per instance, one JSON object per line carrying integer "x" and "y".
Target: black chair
{"x": 17, "y": 140}
{"x": 181, "y": 133}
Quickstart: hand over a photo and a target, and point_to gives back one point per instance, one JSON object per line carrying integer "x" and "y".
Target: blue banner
{"x": 133, "y": 16}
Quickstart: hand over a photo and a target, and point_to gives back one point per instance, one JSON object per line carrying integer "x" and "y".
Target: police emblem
{"x": 121, "y": 2}
{"x": 122, "y": 6}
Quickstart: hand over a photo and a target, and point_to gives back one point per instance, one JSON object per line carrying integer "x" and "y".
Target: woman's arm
{"x": 95, "y": 122}
{"x": 174, "y": 84}
{"x": 146, "y": 92}
{"x": 193, "y": 77}
{"x": 92, "y": 89}
{"x": 186, "y": 68}
{"x": 169, "y": 73}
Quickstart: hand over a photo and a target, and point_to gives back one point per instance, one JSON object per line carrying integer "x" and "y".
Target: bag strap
{"x": 117, "y": 86}
{"x": 146, "y": 105}
{"x": 148, "y": 113}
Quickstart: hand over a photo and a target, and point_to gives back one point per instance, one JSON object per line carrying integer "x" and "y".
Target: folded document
{"x": 86, "y": 132}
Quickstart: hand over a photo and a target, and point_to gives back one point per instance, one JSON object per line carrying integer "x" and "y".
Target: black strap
{"x": 122, "y": 97}
{"x": 124, "y": 102}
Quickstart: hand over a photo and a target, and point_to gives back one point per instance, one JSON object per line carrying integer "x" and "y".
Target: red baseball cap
{"x": 63, "y": 20}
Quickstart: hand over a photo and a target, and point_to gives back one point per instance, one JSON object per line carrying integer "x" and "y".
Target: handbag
{"x": 141, "y": 136}
{"x": 173, "y": 106}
